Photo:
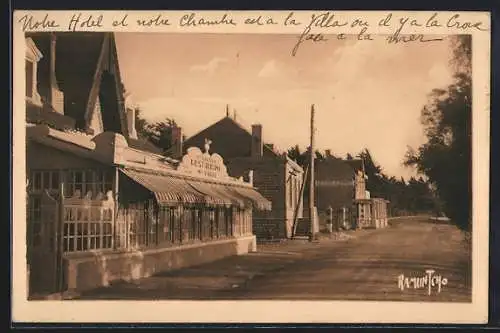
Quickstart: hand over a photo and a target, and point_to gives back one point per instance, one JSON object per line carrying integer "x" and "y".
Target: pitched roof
{"x": 144, "y": 144}
{"x": 224, "y": 129}
{"x": 81, "y": 59}
{"x": 333, "y": 168}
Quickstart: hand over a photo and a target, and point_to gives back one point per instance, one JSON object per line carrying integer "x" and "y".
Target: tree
{"x": 140, "y": 123}
{"x": 160, "y": 133}
{"x": 298, "y": 156}
{"x": 375, "y": 182}
{"x": 319, "y": 155}
{"x": 445, "y": 157}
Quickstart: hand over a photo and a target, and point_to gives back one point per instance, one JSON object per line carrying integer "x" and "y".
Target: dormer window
{"x": 33, "y": 56}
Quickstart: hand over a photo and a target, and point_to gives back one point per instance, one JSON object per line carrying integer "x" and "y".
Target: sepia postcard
{"x": 251, "y": 166}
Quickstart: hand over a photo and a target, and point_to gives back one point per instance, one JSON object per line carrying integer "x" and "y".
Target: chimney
{"x": 132, "y": 132}
{"x": 257, "y": 145}
{"x": 227, "y": 110}
{"x": 176, "y": 142}
{"x": 56, "y": 96}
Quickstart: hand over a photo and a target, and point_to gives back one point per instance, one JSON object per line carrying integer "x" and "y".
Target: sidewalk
{"x": 210, "y": 280}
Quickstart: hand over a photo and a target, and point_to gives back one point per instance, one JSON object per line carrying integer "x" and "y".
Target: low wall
{"x": 91, "y": 270}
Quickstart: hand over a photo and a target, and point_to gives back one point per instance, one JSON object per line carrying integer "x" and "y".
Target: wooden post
{"x": 311, "y": 179}
{"x": 115, "y": 207}
{"x": 296, "y": 212}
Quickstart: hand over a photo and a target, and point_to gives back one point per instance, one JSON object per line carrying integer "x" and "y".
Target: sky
{"x": 367, "y": 94}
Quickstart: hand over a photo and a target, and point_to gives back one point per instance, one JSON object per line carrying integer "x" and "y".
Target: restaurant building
{"x": 101, "y": 207}
{"x": 277, "y": 177}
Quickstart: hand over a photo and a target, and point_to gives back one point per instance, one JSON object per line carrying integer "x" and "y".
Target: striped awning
{"x": 167, "y": 190}
{"x": 249, "y": 194}
{"x": 217, "y": 194}
{"x": 170, "y": 190}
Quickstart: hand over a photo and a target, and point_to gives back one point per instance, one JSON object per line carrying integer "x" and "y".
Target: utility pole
{"x": 311, "y": 179}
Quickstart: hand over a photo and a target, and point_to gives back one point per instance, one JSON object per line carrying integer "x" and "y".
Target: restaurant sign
{"x": 198, "y": 163}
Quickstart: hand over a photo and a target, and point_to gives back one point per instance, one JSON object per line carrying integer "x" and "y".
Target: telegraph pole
{"x": 311, "y": 179}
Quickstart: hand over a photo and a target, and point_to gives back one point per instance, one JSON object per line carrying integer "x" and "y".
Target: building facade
{"x": 342, "y": 197}
{"x": 101, "y": 207}
{"x": 277, "y": 177}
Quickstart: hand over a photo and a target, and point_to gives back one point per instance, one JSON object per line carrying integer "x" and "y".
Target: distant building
{"x": 341, "y": 185}
{"x": 277, "y": 177}
{"x": 101, "y": 206}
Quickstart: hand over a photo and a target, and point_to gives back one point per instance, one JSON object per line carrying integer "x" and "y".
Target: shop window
{"x": 171, "y": 224}
{"x": 141, "y": 227}
{"x": 152, "y": 225}
{"x": 199, "y": 226}
{"x": 212, "y": 226}
{"x": 221, "y": 225}
{"x": 121, "y": 230}
{"x": 194, "y": 224}
{"x": 228, "y": 220}
{"x": 137, "y": 223}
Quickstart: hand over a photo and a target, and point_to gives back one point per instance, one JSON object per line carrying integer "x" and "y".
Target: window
{"x": 194, "y": 224}
{"x": 237, "y": 222}
{"x": 221, "y": 222}
{"x": 138, "y": 226}
{"x": 44, "y": 180}
{"x": 152, "y": 225}
{"x": 229, "y": 221}
{"x": 96, "y": 181}
{"x": 87, "y": 228}
{"x": 121, "y": 230}
{"x": 212, "y": 225}
{"x": 199, "y": 226}
{"x": 170, "y": 223}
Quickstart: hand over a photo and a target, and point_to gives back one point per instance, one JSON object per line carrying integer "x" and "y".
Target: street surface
{"x": 359, "y": 265}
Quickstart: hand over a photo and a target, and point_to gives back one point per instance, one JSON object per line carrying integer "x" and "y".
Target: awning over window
{"x": 217, "y": 194}
{"x": 169, "y": 190}
{"x": 258, "y": 201}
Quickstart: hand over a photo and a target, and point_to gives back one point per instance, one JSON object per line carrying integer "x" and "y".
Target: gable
{"x": 96, "y": 124}
{"x": 228, "y": 139}
{"x": 87, "y": 72}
